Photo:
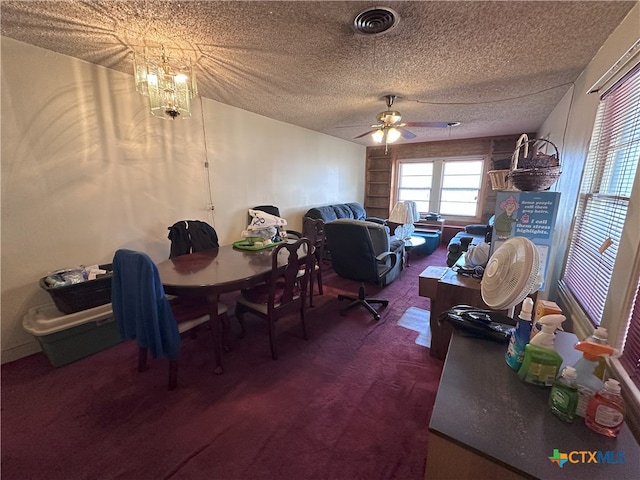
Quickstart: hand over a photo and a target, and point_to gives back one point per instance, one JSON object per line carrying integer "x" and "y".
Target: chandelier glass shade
{"x": 170, "y": 86}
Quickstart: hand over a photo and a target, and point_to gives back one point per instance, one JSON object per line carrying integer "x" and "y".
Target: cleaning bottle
{"x": 520, "y": 337}
{"x": 588, "y": 370}
{"x": 605, "y": 412}
{"x": 563, "y": 399}
{"x": 600, "y": 336}
{"x": 542, "y": 308}
{"x": 541, "y": 361}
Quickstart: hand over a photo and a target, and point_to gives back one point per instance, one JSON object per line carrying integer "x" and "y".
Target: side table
{"x": 409, "y": 244}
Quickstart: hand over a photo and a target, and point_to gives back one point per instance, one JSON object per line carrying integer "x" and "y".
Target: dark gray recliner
{"x": 362, "y": 251}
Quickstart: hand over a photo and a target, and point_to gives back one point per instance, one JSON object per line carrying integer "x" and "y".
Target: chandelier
{"x": 170, "y": 86}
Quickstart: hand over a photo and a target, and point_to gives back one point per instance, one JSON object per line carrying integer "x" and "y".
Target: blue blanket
{"x": 140, "y": 306}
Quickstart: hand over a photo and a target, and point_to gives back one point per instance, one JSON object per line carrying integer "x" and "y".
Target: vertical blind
{"x": 601, "y": 211}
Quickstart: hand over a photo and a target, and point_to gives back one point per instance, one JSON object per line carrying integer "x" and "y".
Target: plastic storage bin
{"x": 67, "y": 338}
{"x": 81, "y": 296}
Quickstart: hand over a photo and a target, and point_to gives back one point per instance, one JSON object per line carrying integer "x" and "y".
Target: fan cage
{"x": 511, "y": 273}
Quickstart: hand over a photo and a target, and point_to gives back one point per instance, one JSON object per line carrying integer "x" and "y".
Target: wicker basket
{"x": 81, "y": 296}
{"x": 500, "y": 180}
{"x": 543, "y": 170}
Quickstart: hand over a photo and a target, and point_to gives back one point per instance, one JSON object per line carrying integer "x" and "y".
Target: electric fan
{"x": 511, "y": 274}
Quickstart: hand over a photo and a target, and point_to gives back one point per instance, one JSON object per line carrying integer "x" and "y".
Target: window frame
{"x": 437, "y": 182}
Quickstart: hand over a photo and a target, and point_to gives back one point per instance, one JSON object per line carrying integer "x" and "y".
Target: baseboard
{"x": 20, "y": 351}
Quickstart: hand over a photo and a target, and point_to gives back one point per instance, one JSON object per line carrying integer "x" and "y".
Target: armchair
{"x": 362, "y": 251}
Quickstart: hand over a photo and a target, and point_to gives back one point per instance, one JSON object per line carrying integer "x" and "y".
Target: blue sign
{"x": 527, "y": 214}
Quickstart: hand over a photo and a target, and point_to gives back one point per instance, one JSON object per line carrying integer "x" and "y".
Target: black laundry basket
{"x": 83, "y": 295}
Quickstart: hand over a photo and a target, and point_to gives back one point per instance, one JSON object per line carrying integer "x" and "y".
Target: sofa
{"x": 353, "y": 211}
{"x": 473, "y": 234}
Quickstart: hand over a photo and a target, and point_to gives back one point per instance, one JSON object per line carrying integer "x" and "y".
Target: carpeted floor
{"x": 353, "y": 402}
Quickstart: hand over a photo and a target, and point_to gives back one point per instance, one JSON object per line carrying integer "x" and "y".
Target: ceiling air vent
{"x": 376, "y": 20}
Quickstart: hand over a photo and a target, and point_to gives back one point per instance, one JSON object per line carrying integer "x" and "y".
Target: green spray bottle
{"x": 541, "y": 362}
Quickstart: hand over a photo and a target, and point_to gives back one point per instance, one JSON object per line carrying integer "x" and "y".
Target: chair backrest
{"x": 270, "y": 209}
{"x": 354, "y": 246}
{"x": 188, "y": 236}
{"x": 313, "y": 229}
{"x": 287, "y": 287}
{"x": 140, "y": 305}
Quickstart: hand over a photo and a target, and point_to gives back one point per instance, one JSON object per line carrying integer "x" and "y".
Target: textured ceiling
{"x": 497, "y": 67}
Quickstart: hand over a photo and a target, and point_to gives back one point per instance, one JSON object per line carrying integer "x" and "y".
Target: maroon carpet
{"x": 353, "y": 402}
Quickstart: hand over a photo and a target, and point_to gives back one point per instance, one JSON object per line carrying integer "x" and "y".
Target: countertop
{"x": 484, "y": 407}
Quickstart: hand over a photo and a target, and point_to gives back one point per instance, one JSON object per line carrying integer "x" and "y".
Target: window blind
{"x": 630, "y": 358}
{"x": 604, "y": 194}
{"x": 601, "y": 212}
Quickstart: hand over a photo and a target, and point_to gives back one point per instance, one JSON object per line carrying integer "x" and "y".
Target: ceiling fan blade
{"x": 406, "y": 134}
{"x": 365, "y": 134}
{"x": 427, "y": 124}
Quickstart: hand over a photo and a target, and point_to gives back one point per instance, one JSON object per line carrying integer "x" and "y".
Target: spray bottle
{"x": 541, "y": 361}
{"x": 542, "y": 308}
{"x": 588, "y": 370}
{"x": 600, "y": 336}
{"x": 520, "y": 337}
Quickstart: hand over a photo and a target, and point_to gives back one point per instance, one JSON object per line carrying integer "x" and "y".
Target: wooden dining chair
{"x": 145, "y": 314}
{"x": 313, "y": 229}
{"x": 284, "y": 292}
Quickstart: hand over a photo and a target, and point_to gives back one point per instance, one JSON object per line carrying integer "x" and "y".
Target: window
{"x": 449, "y": 186}
{"x": 630, "y": 359}
{"x": 601, "y": 211}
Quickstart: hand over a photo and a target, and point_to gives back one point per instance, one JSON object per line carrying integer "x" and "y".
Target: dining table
{"x": 210, "y": 273}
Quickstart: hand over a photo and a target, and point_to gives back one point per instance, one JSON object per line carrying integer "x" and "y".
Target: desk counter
{"x": 487, "y": 423}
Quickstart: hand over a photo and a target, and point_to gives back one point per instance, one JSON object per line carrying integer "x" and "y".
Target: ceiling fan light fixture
{"x": 390, "y": 117}
{"x": 386, "y": 135}
{"x": 378, "y": 135}
{"x": 393, "y": 134}
{"x": 168, "y": 85}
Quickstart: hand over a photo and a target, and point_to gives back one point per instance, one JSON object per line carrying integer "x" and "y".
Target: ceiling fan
{"x": 390, "y": 128}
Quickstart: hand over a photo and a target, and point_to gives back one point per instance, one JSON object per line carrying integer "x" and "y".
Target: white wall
{"x": 86, "y": 170}
{"x": 569, "y": 127}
